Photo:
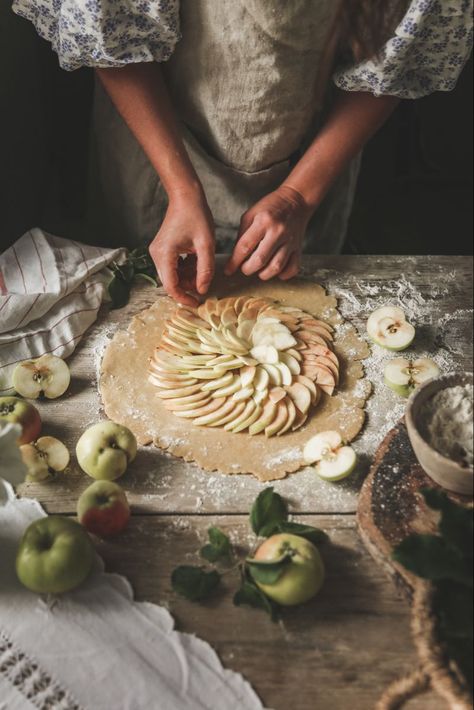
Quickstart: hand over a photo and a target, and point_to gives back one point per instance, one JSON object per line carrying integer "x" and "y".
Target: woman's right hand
{"x": 187, "y": 229}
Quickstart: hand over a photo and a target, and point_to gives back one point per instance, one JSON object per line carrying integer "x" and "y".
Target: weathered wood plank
{"x": 436, "y": 292}
{"x": 339, "y": 651}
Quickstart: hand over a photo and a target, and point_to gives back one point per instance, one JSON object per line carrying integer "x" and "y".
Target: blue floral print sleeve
{"x": 427, "y": 53}
{"x": 105, "y": 33}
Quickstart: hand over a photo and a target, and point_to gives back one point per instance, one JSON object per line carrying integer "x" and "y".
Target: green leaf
{"x": 267, "y": 512}
{"x": 430, "y": 557}
{"x": 457, "y": 522}
{"x": 454, "y": 605}
{"x": 124, "y": 271}
{"x": 119, "y": 292}
{"x": 219, "y": 547}
{"x": 194, "y": 583}
{"x": 268, "y": 572}
{"x": 314, "y": 535}
{"x": 250, "y": 595}
{"x": 146, "y": 277}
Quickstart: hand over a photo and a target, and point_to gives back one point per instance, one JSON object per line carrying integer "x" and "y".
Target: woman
{"x": 242, "y": 127}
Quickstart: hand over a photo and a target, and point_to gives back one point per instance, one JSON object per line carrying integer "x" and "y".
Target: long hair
{"x": 367, "y": 24}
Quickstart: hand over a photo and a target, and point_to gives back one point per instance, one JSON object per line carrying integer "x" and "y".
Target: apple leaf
{"x": 194, "y": 583}
{"x": 146, "y": 277}
{"x": 268, "y": 511}
{"x": 219, "y": 546}
{"x": 268, "y": 572}
{"x": 119, "y": 291}
{"x": 250, "y": 595}
{"x": 314, "y": 535}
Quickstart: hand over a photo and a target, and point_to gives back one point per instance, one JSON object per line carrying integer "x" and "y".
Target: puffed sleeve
{"x": 105, "y": 33}
{"x": 427, "y": 53}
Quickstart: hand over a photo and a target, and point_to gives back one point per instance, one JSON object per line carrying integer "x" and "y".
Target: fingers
{"x": 264, "y": 252}
{"x": 167, "y": 267}
{"x": 277, "y": 264}
{"x": 292, "y": 267}
{"x": 205, "y": 265}
{"x": 249, "y": 239}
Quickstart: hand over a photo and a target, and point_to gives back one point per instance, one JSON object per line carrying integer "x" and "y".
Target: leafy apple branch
{"x": 269, "y": 516}
{"x": 138, "y": 265}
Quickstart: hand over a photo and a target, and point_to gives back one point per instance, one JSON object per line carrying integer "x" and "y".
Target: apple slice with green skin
{"x": 179, "y": 392}
{"x": 103, "y": 509}
{"x": 237, "y": 410}
{"x": 389, "y": 328}
{"x": 260, "y": 396}
{"x": 174, "y": 405}
{"x": 403, "y": 376}
{"x": 208, "y": 408}
{"x": 223, "y": 381}
{"x": 300, "y": 420}
{"x": 48, "y": 375}
{"x": 262, "y": 379}
{"x": 244, "y": 394}
{"x": 247, "y": 411}
{"x": 234, "y": 387}
{"x": 280, "y": 421}
{"x": 291, "y": 416}
{"x": 44, "y": 458}
{"x": 334, "y": 461}
{"x": 266, "y": 418}
{"x": 214, "y": 416}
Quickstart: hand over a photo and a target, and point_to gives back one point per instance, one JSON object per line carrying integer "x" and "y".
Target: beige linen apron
{"x": 243, "y": 80}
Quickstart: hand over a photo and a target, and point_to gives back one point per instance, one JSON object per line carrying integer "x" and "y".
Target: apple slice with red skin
{"x": 237, "y": 410}
{"x": 291, "y": 416}
{"x": 301, "y": 396}
{"x": 103, "y": 509}
{"x": 248, "y": 410}
{"x": 47, "y": 375}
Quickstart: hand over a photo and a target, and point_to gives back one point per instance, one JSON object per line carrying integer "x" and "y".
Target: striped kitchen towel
{"x": 50, "y": 292}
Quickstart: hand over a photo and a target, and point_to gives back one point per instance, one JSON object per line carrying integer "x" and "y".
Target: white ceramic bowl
{"x": 447, "y": 473}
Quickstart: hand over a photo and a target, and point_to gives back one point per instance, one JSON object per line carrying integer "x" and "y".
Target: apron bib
{"x": 244, "y": 82}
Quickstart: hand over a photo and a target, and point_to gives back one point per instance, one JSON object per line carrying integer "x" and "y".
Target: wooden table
{"x": 342, "y": 649}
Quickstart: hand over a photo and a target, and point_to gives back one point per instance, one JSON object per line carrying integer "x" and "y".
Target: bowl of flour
{"x": 440, "y": 425}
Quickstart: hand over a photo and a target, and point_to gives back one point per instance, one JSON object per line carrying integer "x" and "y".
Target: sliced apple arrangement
{"x": 403, "y": 375}
{"x": 244, "y": 364}
{"x": 334, "y": 461}
{"x": 48, "y": 376}
{"x": 389, "y": 328}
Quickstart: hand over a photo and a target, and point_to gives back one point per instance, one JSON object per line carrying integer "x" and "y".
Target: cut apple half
{"x": 48, "y": 375}
{"x": 403, "y": 376}
{"x": 389, "y": 328}
{"x": 334, "y": 460}
{"x": 44, "y": 458}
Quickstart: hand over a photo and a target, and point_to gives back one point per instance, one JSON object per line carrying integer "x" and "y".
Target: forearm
{"x": 352, "y": 122}
{"x": 141, "y": 97}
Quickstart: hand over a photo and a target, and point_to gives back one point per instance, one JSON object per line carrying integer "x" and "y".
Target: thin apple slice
{"x": 243, "y": 394}
{"x": 322, "y": 333}
{"x": 189, "y": 399}
{"x": 238, "y": 408}
{"x": 286, "y": 376}
{"x": 325, "y": 379}
{"x": 311, "y": 386}
{"x": 202, "y": 411}
{"x": 310, "y": 337}
{"x": 317, "y": 350}
{"x": 234, "y": 340}
{"x": 262, "y": 379}
{"x": 294, "y": 353}
{"x": 179, "y": 392}
{"x": 230, "y": 389}
{"x": 389, "y": 328}
{"x": 229, "y": 317}
{"x": 244, "y": 329}
{"x": 223, "y": 381}
{"x": 274, "y": 374}
{"x": 214, "y": 416}
{"x": 266, "y": 418}
{"x": 265, "y": 354}
{"x": 247, "y": 375}
{"x": 277, "y": 394}
{"x": 253, "y": 417}
{"x": 291, "y": 416}
{"x": 48, "y": 375}
{"x": 173, "y": 405}
{"x": 300, "y": 420}
{"x": 248, "y": 409}
{"x": 291, "y": 363}
{"x": 330, "y": 366}
{"x": 260, "y": 396}
{"x": 301, "y": 396}
{"x": 44, "y": 458}
{"x": 169, "y": 384}
{"x": 240, "y": 303}
{"x": 279, "y": 422}
{"x": 220, "y": 360}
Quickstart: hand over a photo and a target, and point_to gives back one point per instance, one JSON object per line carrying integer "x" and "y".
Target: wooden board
{"x": 391, "y": 505}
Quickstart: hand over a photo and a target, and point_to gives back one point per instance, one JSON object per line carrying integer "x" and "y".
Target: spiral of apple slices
{"x": 244, "y": 364}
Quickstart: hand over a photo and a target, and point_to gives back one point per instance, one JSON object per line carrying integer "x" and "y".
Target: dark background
{"x": 415, "y": 188}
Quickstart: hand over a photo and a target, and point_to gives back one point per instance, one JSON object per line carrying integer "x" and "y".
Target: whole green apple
{"x": 105, "y": 450}
{"x": 103, "y": 508}
{"x": 18, "y": 411}
{"x": 55, "y": 556}
{"x": 302, "y": 578}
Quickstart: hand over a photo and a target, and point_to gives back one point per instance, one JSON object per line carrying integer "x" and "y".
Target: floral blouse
{"x": 426, "y": 54}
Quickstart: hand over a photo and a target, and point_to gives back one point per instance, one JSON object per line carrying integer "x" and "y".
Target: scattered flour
{"x": 447, "y": 425}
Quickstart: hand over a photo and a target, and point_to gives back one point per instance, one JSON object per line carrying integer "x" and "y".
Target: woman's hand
{"x": 271, "y": 236}
{"x": 187, "y": 229}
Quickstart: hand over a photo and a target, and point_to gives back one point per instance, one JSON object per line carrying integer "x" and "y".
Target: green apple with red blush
{"x": 103, "y": 509}
{"x": 18, "y": 411}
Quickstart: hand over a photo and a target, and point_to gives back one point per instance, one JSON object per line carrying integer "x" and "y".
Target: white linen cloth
{"x": 50, "y": 292}
{"x": 97, "y": 649}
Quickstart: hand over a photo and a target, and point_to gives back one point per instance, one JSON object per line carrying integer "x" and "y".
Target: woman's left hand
{"x": 271, "y": 235}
